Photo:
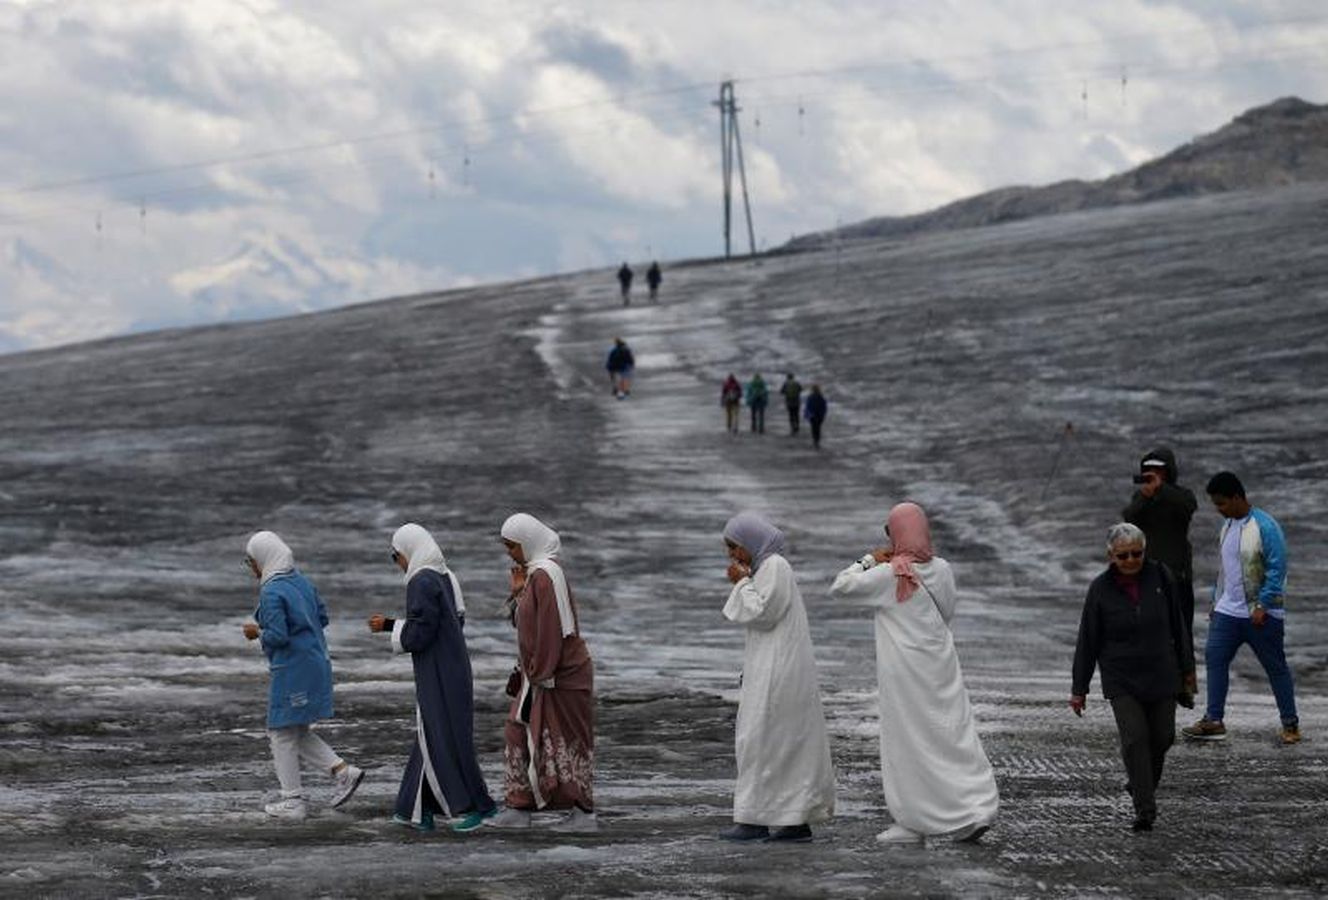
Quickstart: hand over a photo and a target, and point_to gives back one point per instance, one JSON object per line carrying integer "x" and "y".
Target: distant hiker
{"x": 1163, "y": 509}
{"x": 625, "y": 282}
{"x": 653, "y": 279}
{"x": 792, "y": 392}
{"x": 937, "y": 779}
{"x": 1132, "y": 628}
{"x": 442, "y": 774}
{"x": 1248, "y": 608}
{"x": 620, "y": 365}
{"x": 550, "y": 731}
{"x": 730, "y": 397}
{"x": 290, "y": 621}
{"x": 757, "y": 398}
{"x": 786, "y": 781}
{"x": 815, "y": 410}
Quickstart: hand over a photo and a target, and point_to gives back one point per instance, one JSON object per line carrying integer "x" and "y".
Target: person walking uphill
{"x": 550, "y": 731}
{"x": 1133, "y": 629}
{"x": 620, "y": 365}
{"x": 786, "y": 781}
{"x": 1163, "y": 510}
{"x": 289, "y": 623}
{"x": 654, "y": 278}
{"x": 936, "y": 776}
{"x": 625, "y": 276}
{"x": 730, "y": 397}
{"x": 757, "y": 398}
{"x": 792, "y": 392}
{"x": 815, "y": 410}
{"x": 442, "y": 774}
{"x": 1248, "y": 608}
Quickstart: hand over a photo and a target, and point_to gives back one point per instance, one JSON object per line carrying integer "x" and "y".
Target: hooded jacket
{"x": 1165, "y": 518}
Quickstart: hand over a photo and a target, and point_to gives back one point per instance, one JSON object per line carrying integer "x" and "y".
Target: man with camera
{"x": 1162, "y": 509}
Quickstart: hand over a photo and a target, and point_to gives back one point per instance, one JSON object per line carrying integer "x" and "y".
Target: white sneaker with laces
{"x": 578, "y": 821}
{"x": 289, "y": 808}
{"x": 509, "y": 818}
{"x": 898, "y": 834}
{"x": 348, "y": 779}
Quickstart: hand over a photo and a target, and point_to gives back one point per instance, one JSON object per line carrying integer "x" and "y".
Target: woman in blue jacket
{"x": 290, "y": 621}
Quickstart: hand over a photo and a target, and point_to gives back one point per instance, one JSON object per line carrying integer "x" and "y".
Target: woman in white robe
{"x": 786, "y": 781}
{"x": 937, "y": 778}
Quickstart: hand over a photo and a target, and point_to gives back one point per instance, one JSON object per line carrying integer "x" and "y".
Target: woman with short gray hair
{"x": 1132, "y": 630}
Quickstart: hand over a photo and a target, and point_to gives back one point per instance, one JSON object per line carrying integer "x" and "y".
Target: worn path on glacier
{"x": 132, "y": 756}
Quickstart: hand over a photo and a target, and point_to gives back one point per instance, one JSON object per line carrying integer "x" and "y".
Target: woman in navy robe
{"x": 442, "y": 774}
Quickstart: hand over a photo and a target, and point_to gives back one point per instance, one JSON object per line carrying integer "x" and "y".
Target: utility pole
{"x": 730, "y": 145}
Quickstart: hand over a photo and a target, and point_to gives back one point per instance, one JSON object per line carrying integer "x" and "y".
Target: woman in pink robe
{"x": 550, "y": 732}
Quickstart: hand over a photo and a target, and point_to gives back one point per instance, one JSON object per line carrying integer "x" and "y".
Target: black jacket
{"x": 1165, "y": 519}
{"x": 1142, "y": 649}
{"x": 620, "y": 359}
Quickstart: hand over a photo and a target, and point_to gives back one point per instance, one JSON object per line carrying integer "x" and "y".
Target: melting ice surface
{"x": 133, "y": 759}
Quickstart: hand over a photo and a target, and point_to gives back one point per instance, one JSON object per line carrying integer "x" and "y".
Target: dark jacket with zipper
{"x": 1142, "y": 648}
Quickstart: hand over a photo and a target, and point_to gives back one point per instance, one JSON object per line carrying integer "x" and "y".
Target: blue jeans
{"x": 1225, "y": 635}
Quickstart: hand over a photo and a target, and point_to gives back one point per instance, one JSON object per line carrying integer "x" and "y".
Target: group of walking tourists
{"x": 1138, "y": 618}
{"x": 621, "y": 366}
{"x": 549, "y": 736}
{"x": 756, "y": 395}
{"x": 937, "y": 779}
{"x": 1135, "y": 628}
{"x": 733, "y": 395}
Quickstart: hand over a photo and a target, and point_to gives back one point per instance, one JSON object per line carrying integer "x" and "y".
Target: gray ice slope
{"x": 132, "y": 757}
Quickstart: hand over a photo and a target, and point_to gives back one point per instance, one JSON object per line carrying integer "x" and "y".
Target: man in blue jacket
{"x": 1247, "y": 607}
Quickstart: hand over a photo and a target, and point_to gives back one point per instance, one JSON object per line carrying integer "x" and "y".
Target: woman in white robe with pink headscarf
{"x": 937, "y": 779}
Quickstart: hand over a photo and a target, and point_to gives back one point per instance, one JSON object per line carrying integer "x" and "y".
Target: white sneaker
{"x": 348, "y": 779}
{"x": 898, "y": 834}
{"x": 577, "y": 821}
{"x": 289, "y": 808}
{"x": 510, "y": 818}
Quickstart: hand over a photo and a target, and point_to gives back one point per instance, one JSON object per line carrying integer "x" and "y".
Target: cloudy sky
{"x": 170, "y": 163}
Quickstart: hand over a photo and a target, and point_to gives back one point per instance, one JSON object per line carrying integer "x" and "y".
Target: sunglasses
{"x": 1129, "y": 554}
{"x": 395, "y": 556}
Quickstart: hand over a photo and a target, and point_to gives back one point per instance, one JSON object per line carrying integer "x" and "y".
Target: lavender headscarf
{"x": 754, "y": 533}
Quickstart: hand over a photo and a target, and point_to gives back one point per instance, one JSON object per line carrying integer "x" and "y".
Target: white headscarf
{"x": 421, "y": 552}
{"x": 271, "y": 555}
{"x": 540, "y": 545}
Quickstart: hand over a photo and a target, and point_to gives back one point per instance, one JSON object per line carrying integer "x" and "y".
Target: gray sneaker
{"x": 577, "y": 821}
{"x": 291, "y": 809}
{"x": 510, "y": 818}
{"x": 347, "y": 781}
